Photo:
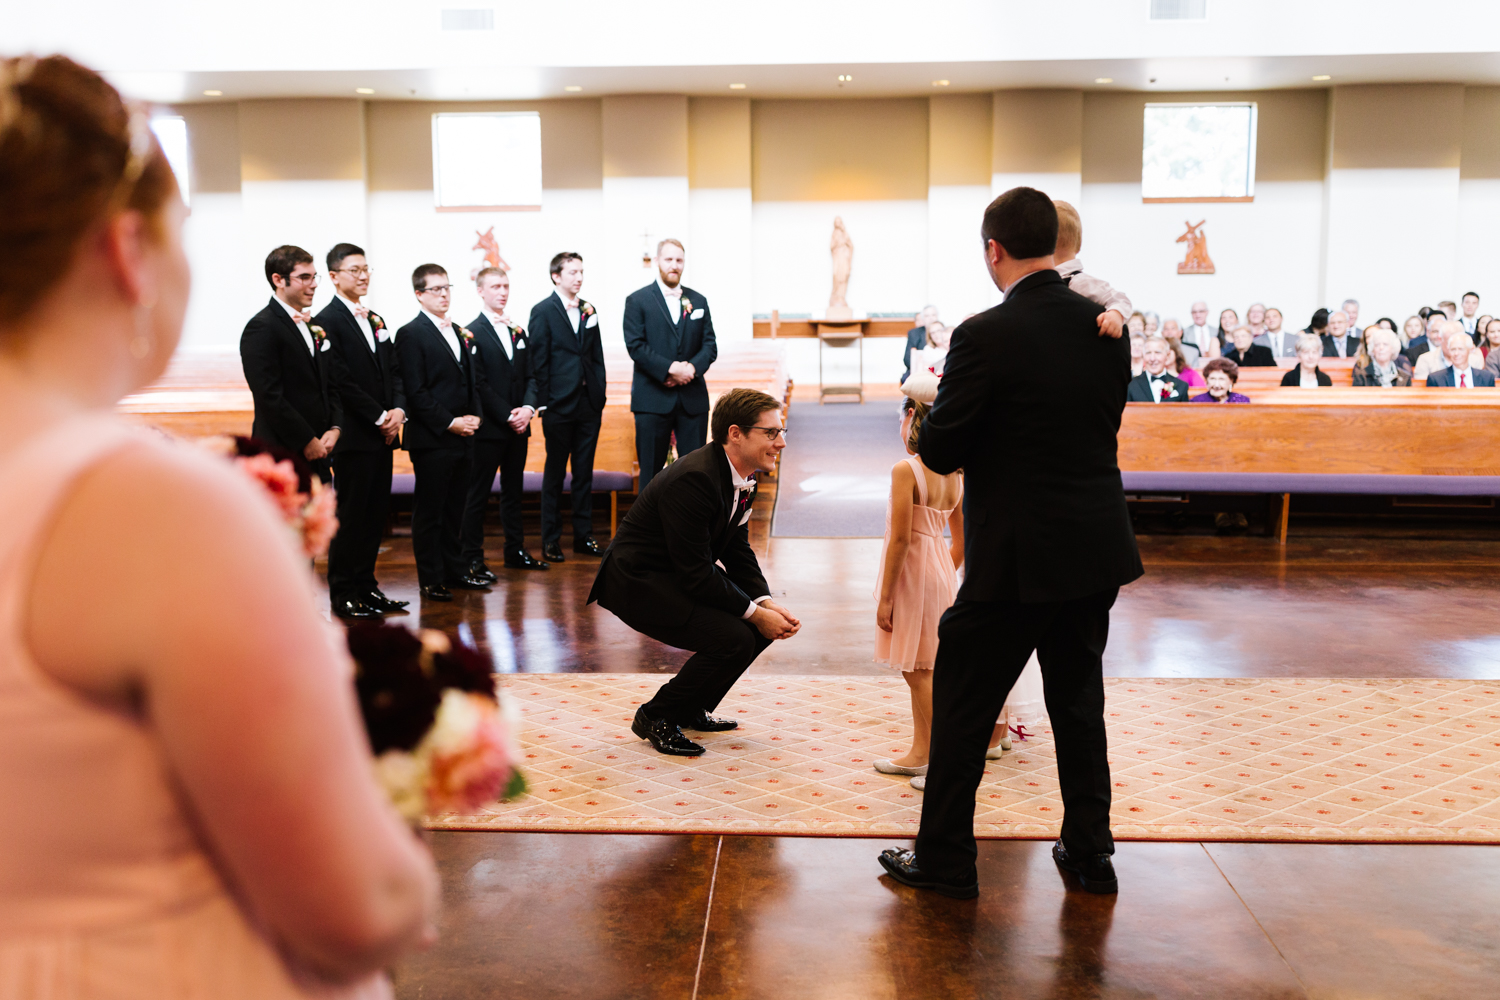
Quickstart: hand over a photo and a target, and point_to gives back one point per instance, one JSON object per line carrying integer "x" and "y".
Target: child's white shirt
{"x": 1094, "y": 289}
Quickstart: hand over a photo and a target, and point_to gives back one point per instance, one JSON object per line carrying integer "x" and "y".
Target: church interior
{"x": 1300, "y": 692}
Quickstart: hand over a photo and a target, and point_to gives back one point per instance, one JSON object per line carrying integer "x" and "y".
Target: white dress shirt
{"x": 502, "y": 331}
{"x": 1200, "y": 336}
{"x": 307, "y": 337}
{"x": 450, "y": 335}
{"x": 741, "y": 485}
{"x": 571, "y": 310}
{"x": 1470, "y": 323}
{"x": 1158, "y": 383}
{"x": 1463, "y": 378}
{"x": 674, "y": 299}
{"x": 1096, "y": 290}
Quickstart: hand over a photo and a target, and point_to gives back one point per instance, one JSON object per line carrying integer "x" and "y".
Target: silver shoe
{"x": 891, "y": 767}
{"x": 993, "y": 753}
{"x": 919, "y": 782}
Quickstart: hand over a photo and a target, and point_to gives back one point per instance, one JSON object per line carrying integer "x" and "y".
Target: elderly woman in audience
{"x": 1221, "y": 374}
{"x": 1283, "y": 343}
{"x": 1411, "y": 330}
{"x": 1380, "y": 361}
{"x": 1307, "y": 374}
{"x": 1178, "y": 365}
{"x": 1136, "y": 324}
{"x": 1137, "y": 354}
{"x": 1153, "y": 323}
{"x": 1246, "y": 352}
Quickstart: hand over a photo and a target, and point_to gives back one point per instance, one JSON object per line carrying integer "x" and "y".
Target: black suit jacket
{"x": 1331, "y": 350}
{"x": 1257, "y": 356}
{"x": 1139, "y": 390}
{"x": 569, "y": 364}
{"x": 916, "y": 340}
{"x": 508, "y": 382}
{"x": 1418, "y": 347}
{"x": 1443, "y": 377}
{"x": 654, "y": 342}
{"x": 1044, "y": 510}
{"x": 296, "y": 396}
{"x": 664, "y": 560}
{"x": 439, "y": 386}
{"x": 369, "y": 382}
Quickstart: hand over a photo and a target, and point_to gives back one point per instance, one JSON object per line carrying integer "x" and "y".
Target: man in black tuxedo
{"x": 444, "y": 388}
{"x": 509, "y": 404}
{"x": 568, "y": 358}
{"x": 1156, "y": 384}
{"x": 369, "y": 384}
{"x": 662, "y": 574}
{"x": 669, "y": 334}
{"x": 284, "y": 353}
{"x": 1047, "y": 540}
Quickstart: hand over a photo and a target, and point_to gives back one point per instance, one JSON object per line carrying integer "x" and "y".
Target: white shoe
{"x": 891, "y": 767}
{"x": 993, "y": 753}
{"x": 919, "y": 782}
{"x": 1005, "y": 740}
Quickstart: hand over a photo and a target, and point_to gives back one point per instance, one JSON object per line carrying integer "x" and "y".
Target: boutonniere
{"x": 468, "y": 337}
{"x": 687, "y": 306}
{"x": 1167, "y": 392}
{"x": 587, "y": 308}
{"x": 516, "y": 332}
{"x": 319, "y": 336}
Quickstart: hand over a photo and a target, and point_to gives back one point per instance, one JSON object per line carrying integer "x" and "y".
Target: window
{"x": 1198, "y": 152}
{"x": 171, "y": 132}
{"x": 490, "y": 161}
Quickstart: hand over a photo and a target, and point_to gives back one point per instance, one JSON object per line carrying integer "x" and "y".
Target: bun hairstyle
{"x": 72, "y": 154}
{"x": 918, "y": 411}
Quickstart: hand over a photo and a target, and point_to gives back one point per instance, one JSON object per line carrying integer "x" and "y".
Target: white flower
{"x": 403, "y": 777}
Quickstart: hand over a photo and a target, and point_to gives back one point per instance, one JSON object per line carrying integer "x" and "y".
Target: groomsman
{"x": 297, "y": 404}
{"x": 669, "y": 334}
{"x": 569, "y": 363}
{"x": 509, "y": 404}
{"x": 443, "y": 387}
{"x": 369, "y": 383}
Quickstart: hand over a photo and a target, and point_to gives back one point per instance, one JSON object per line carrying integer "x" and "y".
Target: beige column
{"x": 719, "y": 259}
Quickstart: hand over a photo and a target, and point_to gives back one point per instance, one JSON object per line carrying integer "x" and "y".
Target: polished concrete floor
{"x": 592, "y": 916}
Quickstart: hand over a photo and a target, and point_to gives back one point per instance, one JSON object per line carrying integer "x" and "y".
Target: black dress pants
{"x": 982, "y": 648}
{"x": 509, "y": 457}
{"x": 653, "y": 437}
{"x": 574, "y": 438}
{"x": 437, "y": 512}
{"x": 723, "y": 647}
{"x": 363, "y": 482}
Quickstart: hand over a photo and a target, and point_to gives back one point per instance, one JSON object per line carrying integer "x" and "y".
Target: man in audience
{"x": 444, "y": 388}
{"x": 569, "y": 365}
{"x": 1156, "y": 384}
{"x": 1449, "y": 308}
{"x": 374, "y": 400}
{"x": 1200, "y": 333}
{"x": 1283, "y": 343}
{"x": 1421, "y": 345}
{"x": 1457, "y": 345}
{"x": 1319, "y": 325}
{"x": 509, "y": 403}
{"x": 916, "y": 338}
{"x": 1350, "y": 308}
{"x": 1338, "y": 342}
{"x": 297, "y": 405}
{"x": 669, "y": 334}
{"x": 1470, "y": 319}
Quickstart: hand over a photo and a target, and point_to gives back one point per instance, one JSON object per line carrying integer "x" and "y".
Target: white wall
{"x": 957, "y": 281}
{"x": 719, "y": 259}
{"x": 1478, "y": 244}
{"x": 227, "y": 290}
{"x": 637, "y": 212}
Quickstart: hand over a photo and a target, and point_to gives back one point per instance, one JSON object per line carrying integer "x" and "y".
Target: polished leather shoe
{"x": 705, "y": 723}
{"x": 552, "y": 552}
{"x": 521, "y": 559}
{"x": 665, "y": 736}
{"x": 1095, "y": 874}
{"x": 901, "y": 865}
{"x": 470, "y": 582}
{"x": 437, "y": 592}
{"x": 479, "y": 571}
{"x": 354, "y": 609}
{"x": 587, "y": 546}
{"x": 380, "y": 602}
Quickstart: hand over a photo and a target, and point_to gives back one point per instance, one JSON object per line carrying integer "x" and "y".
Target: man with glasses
{"x": 681, "y": 570}
{"x": 369, "y": 384}
{"x": 285, "y": 356}
{"x": 443, "y": 387}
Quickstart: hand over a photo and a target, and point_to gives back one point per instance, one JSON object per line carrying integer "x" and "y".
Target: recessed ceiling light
{"x": 940, "y": 83}
{"x": 572, "y": 88}
{"x": 364, "y": 90}
{"x": 1104, "y": 79}
{"x": 213, "y": 93}
{"x": 736, "y": 86}
{"x": 845, "y": 78}
{"x": 1322, "y": 77}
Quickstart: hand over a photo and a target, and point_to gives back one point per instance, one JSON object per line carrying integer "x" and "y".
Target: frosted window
{"x": 487, "y": 160}
{"x": 171, "y": 132}
{"x": 1198, "y": 151}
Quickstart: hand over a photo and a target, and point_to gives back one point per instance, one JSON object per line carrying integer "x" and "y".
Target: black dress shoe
{"x": 552, "y": 552}
{"x": 665, "y": 736}
{"x": 470, "y": 582}
{"x": 1096, "y": 873}
{"x": 587, "y": 546}
{"x": 521, "y": 559}
{"x": 437, "y": 592}
{"x": 901, "y": 865}
{"x": 705, "y": 723}
{"x": 378, "y": 600}
{"x": 479, "y": 571}
{"x": 354, "y": 609}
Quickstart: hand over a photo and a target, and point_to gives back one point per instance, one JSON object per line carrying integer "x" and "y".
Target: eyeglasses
{"x": 434, "y": 288}
{"x": 358, "y": 272}
{"x": 774, "y": 433}
{"x": 310, "y": 278}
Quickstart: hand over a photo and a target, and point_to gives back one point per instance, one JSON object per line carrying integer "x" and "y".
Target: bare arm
{"x": 903, "y": 485}
{"x": 210, "y": 638}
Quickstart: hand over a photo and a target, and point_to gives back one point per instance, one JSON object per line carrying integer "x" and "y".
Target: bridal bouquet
{"x": 305, "y": 503}
{"x": 441, "y": 732}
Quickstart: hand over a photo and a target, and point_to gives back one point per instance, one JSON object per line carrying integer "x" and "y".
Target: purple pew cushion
{"x": 604, "y": 482}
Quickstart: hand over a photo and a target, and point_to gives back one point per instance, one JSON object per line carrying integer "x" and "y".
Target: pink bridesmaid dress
{"x": 927, "y": 586}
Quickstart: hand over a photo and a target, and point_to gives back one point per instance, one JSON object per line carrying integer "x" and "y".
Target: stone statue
{"x": 842, "y": 248}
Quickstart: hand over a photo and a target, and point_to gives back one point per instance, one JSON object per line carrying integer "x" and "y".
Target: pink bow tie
{"x": 445, "y": 325}
{"x": 361, "y": 312}
{"x": 303, "y": 318}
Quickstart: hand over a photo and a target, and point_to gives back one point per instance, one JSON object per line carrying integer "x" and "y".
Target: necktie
{"x": 1463, "y": 380}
